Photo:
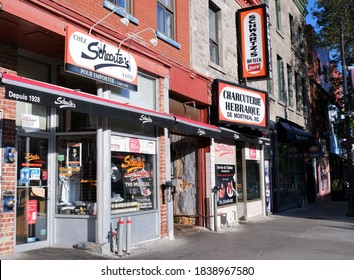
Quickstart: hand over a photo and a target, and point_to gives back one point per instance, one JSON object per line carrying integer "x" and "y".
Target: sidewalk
{"x": 321, "y": 231}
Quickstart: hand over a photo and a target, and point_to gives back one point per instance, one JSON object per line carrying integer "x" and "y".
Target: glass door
{"x": 32, "y": 191}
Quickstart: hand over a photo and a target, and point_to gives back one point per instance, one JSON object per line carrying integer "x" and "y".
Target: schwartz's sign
{"x": 254, "y": 40}
{"x": 90, "y": 57}
{"x": 239, "y": 105}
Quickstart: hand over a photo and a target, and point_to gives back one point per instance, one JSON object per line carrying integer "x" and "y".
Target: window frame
{"x": 290, "y": 85}
{"x": 214, "y": 42}
{"x": 128, "y": 6}
{"x": 171, "y": 10}
{"x": 281, "y": 79}
{"x": 277, "y": 14}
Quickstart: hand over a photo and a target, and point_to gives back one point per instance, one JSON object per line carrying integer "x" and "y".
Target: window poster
{"x": 74, "y": 154}
{"x": 224, "y": 177}
{"x": 132, "y": 174}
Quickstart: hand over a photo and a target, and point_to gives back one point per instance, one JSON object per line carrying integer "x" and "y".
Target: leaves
{"x": 330, "y": 16}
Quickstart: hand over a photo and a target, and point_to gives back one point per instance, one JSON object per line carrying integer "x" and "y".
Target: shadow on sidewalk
{"x": 324, "y": 210}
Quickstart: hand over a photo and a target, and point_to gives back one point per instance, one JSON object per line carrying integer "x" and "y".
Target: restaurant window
{"x": 76, "y": 188}
{"x": 165, "y": 17}
{"x": 239, "y": 172}
{"x": 32, "y": 116}
{"x": 133, "y": 174}
{"x": 252, "y": 155}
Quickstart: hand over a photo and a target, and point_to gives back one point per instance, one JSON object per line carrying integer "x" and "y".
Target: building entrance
{"x": 32, "y": 190}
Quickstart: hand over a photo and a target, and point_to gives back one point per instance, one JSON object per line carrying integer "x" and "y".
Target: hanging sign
{"x": 92, "y": 58}
{"x": 254, "y": 37}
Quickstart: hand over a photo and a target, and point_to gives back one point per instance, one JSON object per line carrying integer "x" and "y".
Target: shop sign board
{"x": 133, "y": 145}
{"x": 251, "y": 152}
{"x": 253, "y": 30}
{"x": 89, "y": 56}
{"x": 224, "y": 177}
{"x": 240, "y": 105}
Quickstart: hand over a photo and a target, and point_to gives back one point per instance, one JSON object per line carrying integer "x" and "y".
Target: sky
{"x": 309, "y": 19}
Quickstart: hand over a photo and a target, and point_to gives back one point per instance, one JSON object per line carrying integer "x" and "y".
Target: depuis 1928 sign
{"x": 92, "y": 58}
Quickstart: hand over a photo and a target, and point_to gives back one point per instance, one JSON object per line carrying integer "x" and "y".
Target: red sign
{"x": 31, "y": 212}
{"x": 241, "y": 105}
{"x": 254, "y": 38}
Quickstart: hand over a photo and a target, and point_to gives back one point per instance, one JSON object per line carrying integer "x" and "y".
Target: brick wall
{"x": 7, "y": 234}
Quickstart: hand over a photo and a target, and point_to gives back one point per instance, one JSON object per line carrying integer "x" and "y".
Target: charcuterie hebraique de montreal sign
{"x": 242, "y": 105}
{"x": 92, "y": 58}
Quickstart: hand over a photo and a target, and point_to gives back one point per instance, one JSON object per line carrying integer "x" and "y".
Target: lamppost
{"x": 349, "y": 139}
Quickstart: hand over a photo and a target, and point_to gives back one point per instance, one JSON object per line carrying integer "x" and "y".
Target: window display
{"x": 76, "y": 191}
{"x": 252, "y": 156}
{"x": 132, "y": 174}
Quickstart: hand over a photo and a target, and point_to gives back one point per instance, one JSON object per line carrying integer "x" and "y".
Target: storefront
{"x": 236, "y": 159}
{"x": 295, "y": 174}
{"x": 62, "y": 136}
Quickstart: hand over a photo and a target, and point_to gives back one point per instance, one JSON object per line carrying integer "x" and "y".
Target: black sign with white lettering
{"x": 83, "y": 103}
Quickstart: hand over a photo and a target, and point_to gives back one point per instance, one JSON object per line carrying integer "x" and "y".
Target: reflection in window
{"x": 32, "y": 191}
{"x": 253, "y": 186}
{"x": 76, "y": 190}
{"x": 213, "y": 34}
{"x": 126, "y": 4}
{"x": 239, "y": 171}
{"x": 165, "y": 17}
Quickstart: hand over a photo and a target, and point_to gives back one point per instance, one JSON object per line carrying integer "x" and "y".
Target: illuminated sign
{"x": 92, "y": 58}
{"x": 241, "y": 105}
{"x": 254, "y": 39}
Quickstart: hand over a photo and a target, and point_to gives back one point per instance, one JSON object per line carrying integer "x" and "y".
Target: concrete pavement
{"x": 322, "y": 231}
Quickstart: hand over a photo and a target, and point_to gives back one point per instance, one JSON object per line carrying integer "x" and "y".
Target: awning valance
{"x": 294, "y": 133}
{"x": 36, "y": 92}
{"x": 238, "y": 136}
{"x": 191, "y": 127}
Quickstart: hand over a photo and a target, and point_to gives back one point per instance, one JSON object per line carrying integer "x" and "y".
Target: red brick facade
{"x": 7, "y": 231}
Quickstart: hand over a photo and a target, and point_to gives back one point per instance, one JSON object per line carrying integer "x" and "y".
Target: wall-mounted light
{"x": 189, "y": 103}
{"x": 153, "y": 41}
{"x": 123, "y": 20}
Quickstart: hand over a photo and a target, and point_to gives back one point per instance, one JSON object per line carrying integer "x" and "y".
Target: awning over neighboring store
{"x": 238, "y": 136}
{"x": 191, "y": 127}
{"x": 294, "y": 133}
{"x": 35, "y": 92}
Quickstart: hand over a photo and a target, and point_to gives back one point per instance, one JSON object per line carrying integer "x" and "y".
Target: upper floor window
{"x": 290, "y": 86}
{"x": 270, "y": 86}
{"x": 213, "y": 33}
{"x": 126, "y": 4}
{"x": 298, "y": 92}
{"x": 277, "y": 14}
{"x": 281, "y": 79}
{"x": 165, "y": 17}
{"x": 292, "y": 30}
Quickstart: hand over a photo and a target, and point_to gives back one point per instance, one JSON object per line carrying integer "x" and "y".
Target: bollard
{"x": 216, "y": 210}
{"x": 120, "y": 237}
{"x": 128, "y": 237}
{"x": 110, "y": 237}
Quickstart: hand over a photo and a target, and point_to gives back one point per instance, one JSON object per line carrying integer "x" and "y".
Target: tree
{"x": 334, "y": 17}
